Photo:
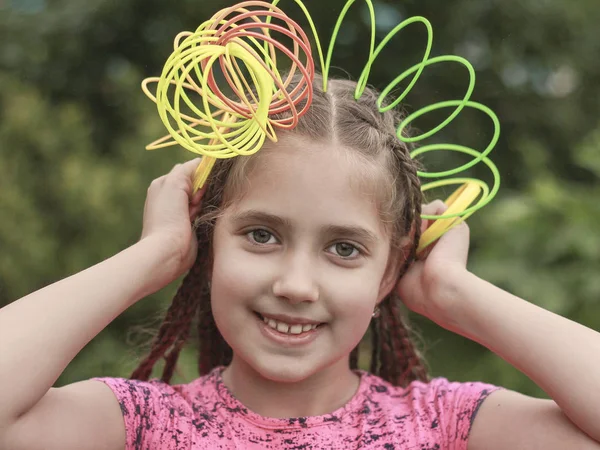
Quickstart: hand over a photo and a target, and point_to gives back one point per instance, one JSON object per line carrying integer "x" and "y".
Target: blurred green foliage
{"x": 74, "y": 123}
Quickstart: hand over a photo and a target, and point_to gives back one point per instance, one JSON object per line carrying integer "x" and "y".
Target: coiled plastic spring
{"x": 239, "y": 127}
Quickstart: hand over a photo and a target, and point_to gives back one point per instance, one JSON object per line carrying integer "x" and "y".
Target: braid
{"x": 412, "y": 214}
{"x": 173, "y": 332}
{"x": 192, "y": 298}
{"x": 412, "y": 366}
{"x": 394, "y": 357}
{"x": 213, "y": 351}
{"x": 387, "y": 362}
{"x": 375, "y": 353}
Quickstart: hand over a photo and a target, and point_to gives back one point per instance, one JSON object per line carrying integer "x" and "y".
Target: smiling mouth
{"x": 288, "y": 328}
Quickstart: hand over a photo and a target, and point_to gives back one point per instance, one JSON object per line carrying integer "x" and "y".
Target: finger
{"x": 196, "y": 202}
{"x": 188, "y": 168}
{"x": 181, "y": 176}
{"x": 157, "y": 183}
{"x": 423, "y": 254}
{"x": 183, "y": 170}
{"x": 194, "y": 212}
{"x": 197, "y": 197}
{"x": 435, "y": 208}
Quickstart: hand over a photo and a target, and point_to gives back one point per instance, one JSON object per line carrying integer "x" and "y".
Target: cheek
{"x": 236, "y": 272}
{"x": 351, "y": 310}
{"x": 355, "y": 297}
{"x": 239, "y": 278}
{"x": 226, "y": 283}
{"x": 234, "y": 290}
{"x": 361, "y": 286}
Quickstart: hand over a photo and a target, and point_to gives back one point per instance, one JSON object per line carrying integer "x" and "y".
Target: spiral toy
{"x": 239, "y": 40}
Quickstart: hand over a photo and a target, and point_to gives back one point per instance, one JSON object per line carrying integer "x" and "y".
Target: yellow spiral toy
{"x": 239, "y": 42}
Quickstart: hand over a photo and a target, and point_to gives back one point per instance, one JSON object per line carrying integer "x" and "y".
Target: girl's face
{"x": 303, "y": 247}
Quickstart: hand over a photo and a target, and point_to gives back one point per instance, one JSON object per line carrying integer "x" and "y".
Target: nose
{"x": 296, "y": 280}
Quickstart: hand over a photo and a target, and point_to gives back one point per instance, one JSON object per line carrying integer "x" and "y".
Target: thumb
{"x": 435, "y": 208}
{"x": 189, "y": 167}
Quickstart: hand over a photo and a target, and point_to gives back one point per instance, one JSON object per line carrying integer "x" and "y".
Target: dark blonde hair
{"x": 334, "y": 116}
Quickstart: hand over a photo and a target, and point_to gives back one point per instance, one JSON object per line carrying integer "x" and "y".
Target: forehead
{"x": 320, "y": 181}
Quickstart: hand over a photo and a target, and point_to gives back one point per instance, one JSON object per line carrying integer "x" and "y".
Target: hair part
{"x": 336, "y": 117}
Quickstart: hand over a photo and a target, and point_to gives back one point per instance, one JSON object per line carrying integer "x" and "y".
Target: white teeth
{"x": 287, "y": 328}
{"x": 282, "y": 327}
{"x": 296, "y": 329}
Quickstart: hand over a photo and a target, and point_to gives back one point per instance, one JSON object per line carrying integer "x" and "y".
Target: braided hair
{"x": 358, "y": 125}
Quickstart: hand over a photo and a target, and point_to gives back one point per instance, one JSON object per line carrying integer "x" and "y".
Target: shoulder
{"x": 85, "y": 412}
{"x": 153, "y": 411}
{"x": 534, "y": 423}
{"x": 439, "y": 410}
{"x": 438, "y": 394}
{"x": 154, "y": 390}
{"x": 158, "y": 393}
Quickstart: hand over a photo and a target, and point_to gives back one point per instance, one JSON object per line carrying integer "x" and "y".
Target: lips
{"x": 287, "y": 339}
{"x": 289, "y": 325}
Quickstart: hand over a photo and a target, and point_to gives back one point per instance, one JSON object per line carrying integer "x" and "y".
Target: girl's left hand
{"x": 426, "y": 288}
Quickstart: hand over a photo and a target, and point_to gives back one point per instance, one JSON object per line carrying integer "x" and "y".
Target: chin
{"x": 282, "y": 370}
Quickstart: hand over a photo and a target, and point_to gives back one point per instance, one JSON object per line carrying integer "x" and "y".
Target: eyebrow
{"x": 253, "y": 215}
{"x": 358, "y": 233}
{"x": 352, "y": 231}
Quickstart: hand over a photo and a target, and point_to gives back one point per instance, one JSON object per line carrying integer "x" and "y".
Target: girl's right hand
{"x": 169, "y": 212}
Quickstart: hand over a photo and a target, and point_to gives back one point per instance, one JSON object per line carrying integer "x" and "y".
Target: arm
{"x": 42, "y": 332}
{"x": 559, "y": 355}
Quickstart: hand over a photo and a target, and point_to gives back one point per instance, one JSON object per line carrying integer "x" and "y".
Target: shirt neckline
{"x": 234, "y": 406}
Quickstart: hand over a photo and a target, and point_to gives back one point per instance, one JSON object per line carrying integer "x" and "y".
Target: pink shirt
{"x": 203, "y": 414}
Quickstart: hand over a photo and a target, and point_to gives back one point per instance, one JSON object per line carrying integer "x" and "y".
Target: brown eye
{"x": 261, "y": 236}
{"x": 345, "y": 250}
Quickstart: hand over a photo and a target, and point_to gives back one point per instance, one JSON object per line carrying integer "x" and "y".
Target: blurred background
{"x": 74, "y": 123}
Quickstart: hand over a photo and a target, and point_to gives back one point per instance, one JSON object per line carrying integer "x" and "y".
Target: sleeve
{"x": 147, "y": 409}
{"x": 456, "y": 406}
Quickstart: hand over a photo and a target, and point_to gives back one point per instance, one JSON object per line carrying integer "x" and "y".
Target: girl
{"x": 297, "y": 251}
